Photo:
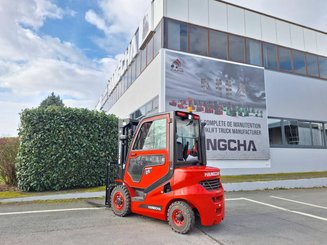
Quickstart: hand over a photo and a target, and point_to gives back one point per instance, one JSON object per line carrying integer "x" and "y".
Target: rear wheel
{"x": 120, "y": 201}
{"x": 180, "y": 217}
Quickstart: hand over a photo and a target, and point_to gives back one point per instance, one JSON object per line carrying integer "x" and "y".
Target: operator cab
{"x": 152, "y": 148}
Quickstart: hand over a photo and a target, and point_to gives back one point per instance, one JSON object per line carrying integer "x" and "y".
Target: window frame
{"x": 247, "y": 56}
{"x": 291, "y": 70}
{"x": 211, "y": 31}
{"x": 307, "y": 67}
{"x": 200, "y": 28}
{"x": 312, "y": 146}
{"x": 229, "y": 36}
{"x": 147, "y": 120}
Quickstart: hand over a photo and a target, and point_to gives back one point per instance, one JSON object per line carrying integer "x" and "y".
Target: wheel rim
{"x": 119, "y": 201}
{"x": 178, "y": 217}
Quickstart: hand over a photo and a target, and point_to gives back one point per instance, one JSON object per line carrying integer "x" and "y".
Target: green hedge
{"x": 64, "y": 148}
{"x": 8, "y": 153}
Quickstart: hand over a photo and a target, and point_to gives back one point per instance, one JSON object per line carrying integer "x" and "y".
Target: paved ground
{"x": 270, "y": 217}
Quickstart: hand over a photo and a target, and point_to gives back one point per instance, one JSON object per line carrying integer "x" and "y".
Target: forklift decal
{"x": 211, "y": 174}
{"x": 152, "y": 207}
{"x": 147, "y": 171}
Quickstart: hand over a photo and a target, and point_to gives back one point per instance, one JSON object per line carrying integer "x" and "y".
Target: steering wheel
{"x": 185, "y": 150}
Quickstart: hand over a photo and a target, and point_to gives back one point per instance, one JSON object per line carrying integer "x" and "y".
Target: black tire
{"x": 120, "y": 201}
{"x": 180, "y": 217}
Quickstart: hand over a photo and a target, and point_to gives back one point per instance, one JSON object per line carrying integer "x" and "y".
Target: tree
{"x": 52, "y": 100}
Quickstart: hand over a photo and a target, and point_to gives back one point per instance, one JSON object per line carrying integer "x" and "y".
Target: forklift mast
{"x": 127, "y": 128}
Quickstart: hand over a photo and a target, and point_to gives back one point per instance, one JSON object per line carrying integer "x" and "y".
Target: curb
{"x": 55, "y": 197}
{"x": 242, "y": 186}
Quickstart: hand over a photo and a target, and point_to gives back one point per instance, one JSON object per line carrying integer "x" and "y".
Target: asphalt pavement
{"x": 258, "y": 217}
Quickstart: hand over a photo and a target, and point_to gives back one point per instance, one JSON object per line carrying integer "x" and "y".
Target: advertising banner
{"x": 229, "y": 97}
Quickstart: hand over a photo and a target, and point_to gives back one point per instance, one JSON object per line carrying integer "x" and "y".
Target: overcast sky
{"x": 70, "y": 47}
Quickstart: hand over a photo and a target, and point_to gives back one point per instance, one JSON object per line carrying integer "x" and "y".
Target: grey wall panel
{"x": 297, "y": 37}
{"x": 198, "y": 12}
{"x": 292, "y": 96}
{"x": 322, "y": 44}
{"x": 217, "y": 15}
{"x": 177, "y": 9}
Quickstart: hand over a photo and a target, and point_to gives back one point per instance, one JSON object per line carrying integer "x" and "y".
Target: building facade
{"x": 259, "y": 82}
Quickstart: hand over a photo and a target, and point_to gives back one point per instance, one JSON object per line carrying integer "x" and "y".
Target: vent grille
{"x": 213, "y": 184}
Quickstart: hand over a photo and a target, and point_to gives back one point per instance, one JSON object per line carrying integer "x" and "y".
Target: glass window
{"x": 138, "y": 164}
{"x": 176, "y": 35}
{"x": 253, "y": 52}
{"x": 152, "y": 135}
{"x": 291, "y": 132}
{"x": 218, "y": 45}
{"x": 299, "y": 62}
{"x": 156, "y": 137}
{"x": 297, "y": 132}
{"x": 157, "y": 40}
{"x": 138, "y": 114}
{"x": 129, "y": 76}
{"x": 187, "y": 140}
{"x": 137, "y": 33}
{"x": 198, "y": 40}
{"x": 149, "y": 51}
{"x": 275, "y": 131}
{"x": 270, "y": 56}
{"x": 148, "y": 107}
{"x": 119, "y": 90}
{"x": 236, "y": 48}
{"x": 137, "y": 65}
{"x": 312, "y": 65}
{"x": 323, "y": 67}
{"x": 156, "y": 103}
{"x": 132, "y": 72}
{"x": 125, "y": 86}
{"x": 317, "y": 134}
{"x": 285, "y": 62}
{"x": 143, "y": 59}
{"x": 325, "y": 128}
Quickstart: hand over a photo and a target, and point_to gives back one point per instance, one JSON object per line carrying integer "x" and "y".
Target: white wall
{"x": 292, "y": 96}
{"x": 158, "y": 12}
{"x": 225, "y": 17}
{"x": 144, "y": 88}
{"x": 284, "y": 160}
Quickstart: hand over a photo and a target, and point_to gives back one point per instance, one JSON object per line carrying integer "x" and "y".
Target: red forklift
{"x": 162, "y": 172}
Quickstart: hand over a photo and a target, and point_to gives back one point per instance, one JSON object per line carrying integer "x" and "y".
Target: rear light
{"x": 187, "y": 115}
{"x": 181, "y": 114}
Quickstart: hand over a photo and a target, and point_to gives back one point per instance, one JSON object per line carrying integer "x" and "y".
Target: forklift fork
{"x": 111, "y": 175}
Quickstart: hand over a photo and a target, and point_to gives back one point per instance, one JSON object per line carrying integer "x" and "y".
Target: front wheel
{"x": 180, "y": 217}
{"x": 120, "y": 201}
